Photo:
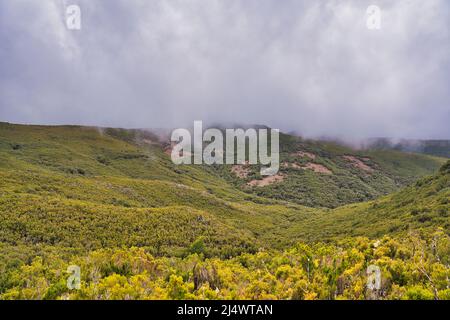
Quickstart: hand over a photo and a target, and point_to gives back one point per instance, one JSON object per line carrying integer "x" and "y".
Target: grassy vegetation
{"x": 91, "y": 196}
{"x": 424, "y": 206}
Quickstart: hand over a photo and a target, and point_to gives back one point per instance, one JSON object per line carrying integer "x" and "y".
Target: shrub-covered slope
{"x": 424, "y": 205}
{"x": 327, "y": 174}
{"x": 313, "y": 173}
{"x": 112, "y": 202}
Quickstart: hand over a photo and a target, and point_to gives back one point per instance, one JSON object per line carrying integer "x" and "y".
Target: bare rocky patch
{"x": 309, "y": 166}
{"x": 150, "y": 142}
{"x": 358, "y": 163}
{"x": 266, "y": 181}
{"x": 304, "y": 154}
{"x": 169, "y": 147}
{"x": 241, "y": 171}
{"x": 317, "y": 168}
{"x": 291, "y": 165}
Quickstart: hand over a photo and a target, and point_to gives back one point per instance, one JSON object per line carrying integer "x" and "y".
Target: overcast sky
{"x": 309, "y": 66}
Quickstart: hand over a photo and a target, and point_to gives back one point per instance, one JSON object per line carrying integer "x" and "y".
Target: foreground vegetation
{"x": 415, "y": 267}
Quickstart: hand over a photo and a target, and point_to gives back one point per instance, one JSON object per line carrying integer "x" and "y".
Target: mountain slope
{"x": 120, "y": 173}
{"x": 111, "y": 201}
{"x": 92, "y": 174}
{"x": 314, "y": 173}
{"x": 326, "y": 174}
{"x": 423, "y": 206}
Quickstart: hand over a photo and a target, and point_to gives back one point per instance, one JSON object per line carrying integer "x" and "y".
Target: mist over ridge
{"x": 310, "y": 68}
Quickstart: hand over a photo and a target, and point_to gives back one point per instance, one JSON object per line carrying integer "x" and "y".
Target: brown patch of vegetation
{"x": 266, "y": 181}
{"x": 318, "y": 168}
{"x": 358, "y": 163}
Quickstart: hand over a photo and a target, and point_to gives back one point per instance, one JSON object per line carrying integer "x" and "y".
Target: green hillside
{"x": 326, "y": 174}
{"x": 423, "y": 206}
{"x": 82, "y": 195}
{"x": 350, "y": 176}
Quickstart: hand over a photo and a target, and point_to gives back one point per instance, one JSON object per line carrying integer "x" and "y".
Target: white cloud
{"x": 310, "y": 66}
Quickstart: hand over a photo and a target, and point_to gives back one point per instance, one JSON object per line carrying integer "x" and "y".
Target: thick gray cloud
{"x": 309, "y": 66}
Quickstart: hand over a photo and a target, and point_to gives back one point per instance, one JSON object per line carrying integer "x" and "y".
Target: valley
{"x": 112, "y": 201}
